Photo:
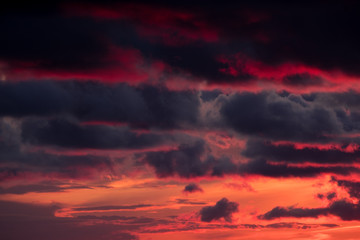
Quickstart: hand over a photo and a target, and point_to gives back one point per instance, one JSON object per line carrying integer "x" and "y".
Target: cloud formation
{"x": 142, "y": 97}
{"x": 222, "y": 209}
{"x": 343, "y": 209}
{"x": 192, "y": 187}
{"x": 69, "y": 134}
{"x": 90, "y": 101}
{"x": 39, "y": 221}
{"x": 189, "y": 161}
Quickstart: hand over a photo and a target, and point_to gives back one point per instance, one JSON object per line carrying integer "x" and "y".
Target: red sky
{"x": 149, "y": 121}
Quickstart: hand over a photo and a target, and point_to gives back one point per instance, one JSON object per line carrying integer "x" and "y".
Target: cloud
{"x": 222, "y": 209}
{"x": 260, "y": 30}
{"x": 21, "y": 220}
{"x": 112, "y": 208}
{"x": 320, "y": 196}
{"x": 189, "y": 161}
{"x": 352, "y": 187}
{"x": 185, "y": 161}
{"x": 41, "y": 188}
{"x": 72, "y": 45}
{"x": 278, "y": 212}
{"x": 291, "y": 154}
{"x": 302, "y": 80}
{"x": 191, "y": 188}
{"x": 145, "y": 106}
{"x": 53, "y": 164}
{"x": 343, "y": 209}
{"x": 69, "y": 134}
{"x": 188, "y": 38}
{"x": 271, "y": 28}
{"x": 195, "y": 160}
{"x": 262, "y": 167}
{"x": 189, "y": 201}
{"x": 331, "y": 195}
{"x": 18, "y": 161}
{"x": 191, "y": 226}
{"x": 208, "y": 96}
{"x": 279, "y": 118}
{"x": 299, "y": 225}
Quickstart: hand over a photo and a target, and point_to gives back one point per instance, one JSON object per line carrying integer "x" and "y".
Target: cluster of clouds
{"x": 203, "y": 41}
{"x": 347, "y": 209}
{"x": 90, "y": 115}
{"x": 119, "y": 94}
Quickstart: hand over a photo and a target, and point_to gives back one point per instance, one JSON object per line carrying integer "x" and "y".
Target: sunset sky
{"x": 181, "y": 120}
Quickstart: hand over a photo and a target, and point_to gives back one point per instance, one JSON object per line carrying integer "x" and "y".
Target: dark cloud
{"x": 352, "y": 187}
{"x": 331, "y": 195}
{"x": 192, "y": 187}
{"x": 250, "y": 42}
{"x": 189, "y": 160}
{"x": 302, "y": 80}
{"x": 222, "y": 209}
{"x": 349, "y": 99}
{"x": 320, "y": 196}
{"x": 262, "y": 167}
{"x": 33, "y": 98}
{"x": 89, "y": 101}
{"x": 41, "y": 188}
{"x": 70, "y": 44}
{"x": 208, "y": 96}
{"x": 343, "y": 209}
{"x": 279, "y": 118}
{"x": 347, "y": 211}
{"x": 344, "y": 104}
{"x": 279, "y": 212}
{"x": 17, "y": 161}
{"x": 278, "y": 34}
{"x": 79, "y": 44}
{"x": 198, "y": 59}
{"x": 21, "y": 220}
{"x": 272, "y": 34}
{"x": 269, "y": 33}
{"x": 186, "y": 161}
{"x": 53, "y": 164}
{"x": 291, "y": 154}
{"x": 70, "y": 134}
{"x": 194, "y": 160}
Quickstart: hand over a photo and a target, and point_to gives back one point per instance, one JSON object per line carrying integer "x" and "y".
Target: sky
{"x": 138, "y": 120}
